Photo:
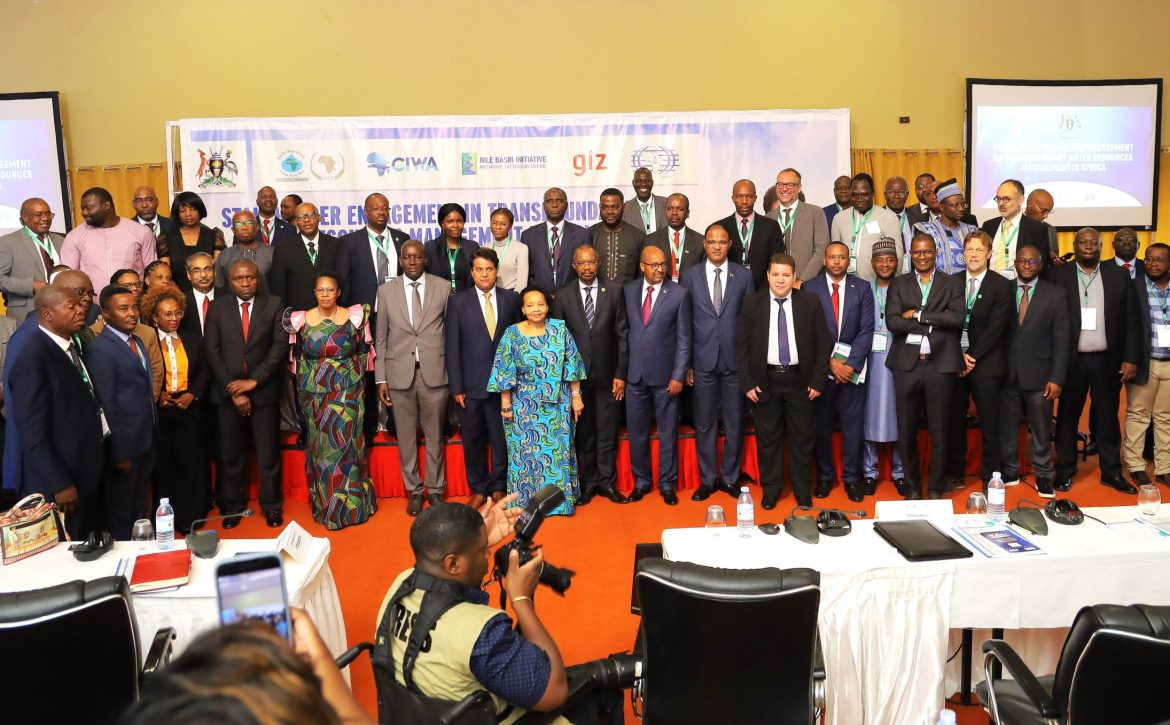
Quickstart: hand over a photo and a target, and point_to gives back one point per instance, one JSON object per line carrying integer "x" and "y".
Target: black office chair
{"x": 71, "y": 652}
{"x": 1114, "y": 668}
{"x": 729, "y": 645}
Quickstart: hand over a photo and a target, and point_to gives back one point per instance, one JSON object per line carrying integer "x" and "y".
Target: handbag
{"x": 29, "y": 527}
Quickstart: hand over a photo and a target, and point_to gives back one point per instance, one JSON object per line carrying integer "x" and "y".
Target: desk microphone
{"x": 830, "y": 522}
{"x": 205, "y": 544}
{"x": 859, "y": 513}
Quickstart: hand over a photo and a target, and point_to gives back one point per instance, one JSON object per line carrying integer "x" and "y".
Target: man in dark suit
{"x": 988, "y": 300}
{"x": 895, "y": 194}
{"x": 476, "y": 320}
{"x": 551, "y": 245}
{"x": 646, "y": 212}
{"x": 926, "y": 204}
{"x": 27, "y": 256}
{"x": 50, "y": 401}
{"x": 1105, "y": 323}
{"x": 754, "y": 238}
{"x": 847, "y": 304}
{"x": 925, "y": 312}
{"x": 1011, "y": 229}
{"x": 782, "y": 351}
{"x": 655, "y": 330}
{"x": 296, "y": 260}
{"x": 201, "y": 293}
{"x": 617, "y": 243}
{"x": 1040, "y": 205}
{"x": 841, "y": 199}
{"x": 163, "y": 229}
{"x": 717, "y": 288}
{"x": 246, "y": 344}
{"x": 590, "y": 308}
{"x": 271, "y": 227}
{"x": 680, "y": 244}
{"x": 121, "y": 377}
{"x": 1036, "y": 363}
{"x": 1125, "y": 246}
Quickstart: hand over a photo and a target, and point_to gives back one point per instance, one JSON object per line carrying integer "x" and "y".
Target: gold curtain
{"x": 120, "y": 181}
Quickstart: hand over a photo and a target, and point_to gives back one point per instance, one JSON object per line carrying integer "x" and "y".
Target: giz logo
{"x": 588, "y": 162}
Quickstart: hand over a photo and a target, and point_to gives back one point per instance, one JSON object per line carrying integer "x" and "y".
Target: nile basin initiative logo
{"x": 292, "y": 164}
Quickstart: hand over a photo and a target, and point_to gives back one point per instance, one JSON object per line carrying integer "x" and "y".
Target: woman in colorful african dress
{"x": 538, "y": 373}
{"x": 330, "y": 347}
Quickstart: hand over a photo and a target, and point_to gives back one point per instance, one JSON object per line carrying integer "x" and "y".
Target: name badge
{"x": 881, "y": 341}
{"x": 873, "y": 228}
{"x": 1089, "y": 319}
{"x": 914, "y": 339}
{"x": 105, "y": 424}
{"x": 1161, "y": 335}
{"x": 852, "y": 266}
{"x": 964, "y": 341}
{"x": 1009, "y": 273}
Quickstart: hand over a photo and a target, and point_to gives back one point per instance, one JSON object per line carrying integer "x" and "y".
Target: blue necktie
{"x": 782, "y": 334}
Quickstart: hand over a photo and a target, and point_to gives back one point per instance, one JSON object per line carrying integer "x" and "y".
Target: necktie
{"x": 489, "y": 314}
{"x": 556, "y": 247}
{"x": 1128, "y": 268}
{"x": 787, "y": 229}
{"x": 744, "y": 234}
{"x": 267, "y": 231}
{"x": 383, "y": 261}
{"x": 646, "y": 304}
{"x": 970, "y": 292}
{"x": 76, "y": 358}
{"x": 1025, "y": 295}
{"x": 417, "y": 306}
{"x": 1001, "y": 253}
{"x": 313, "y": 252}
{"x": 646, "y": 216}
{"x": 133, "y": 347}
{"x": 151, "y": 227}
{"x": 674, "y": 258}
{"x": 244, "y": 318}
{"x": 782, "y": 334}
{"x": 45, "y": 255}
{"x": 717, "y": 292}
{"x": 837, "y": 306}
{"x": 590, "y": 312}
{"x": 206, "y": 305}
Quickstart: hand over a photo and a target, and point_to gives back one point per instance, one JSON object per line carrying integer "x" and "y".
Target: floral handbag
{"x": 28, "y": 528}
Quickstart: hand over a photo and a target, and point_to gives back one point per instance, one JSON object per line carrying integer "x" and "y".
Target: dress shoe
{"x": 1118, "y": 484}
{"x": 498, "y": 496}
{"x": 1044, "y": 487}
{"x": 955, "y": 484}
{"x": 870, "y": 485}
{"x": 1091, "y": 448}
{"x": 907, "y": 491}
{"x": 274, "y": 518}
{"x": 855, "y": 492}
{"x": 614, "y": 495}
{"x": 1141, "y": 478}
{"x": 414, "y": 503}
{"x": 732, "y": 489}
{"x": 745, "y": 479}
{"x": 232, "y": 521}
{"x": 934, "y": 495}
{"x": 1009, "y": 481}
{"x": 583, "y": 499}
{"x": 1062, "y": 484}
{"x": 671, "y": 498}
{"x": 435, "y": 499}
{"x": 769, "y": 502}
{"x": 1163, "y": 478}
{"x": 636, "y": 495}
{"x": 805, "y": 501}
{"x": 822, "y": 489}
{"x": 702, "y": 493}
{"x": 476, "y": 500}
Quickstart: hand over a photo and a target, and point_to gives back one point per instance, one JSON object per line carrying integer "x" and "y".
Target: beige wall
{"x": 125, "y": 67}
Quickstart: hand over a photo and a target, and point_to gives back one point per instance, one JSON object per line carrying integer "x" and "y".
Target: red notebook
{"x": 161, "y": 570}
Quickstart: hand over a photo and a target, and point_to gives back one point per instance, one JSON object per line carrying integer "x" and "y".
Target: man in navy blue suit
{"x": 847, "y": 303}
{"x": 716, "y": 288}
{"x": 475, "y": 322}
{"x": 271, "y": 227}
{"x": 50, "y": 399}
{"x": 121, "y": 376}
{"x": 656, "y": 332}
{"x": 551, "y": 245}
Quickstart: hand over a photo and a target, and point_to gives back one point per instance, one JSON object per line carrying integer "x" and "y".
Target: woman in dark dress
{"x": 188, "y": 212}
{"x": 449, "y": 254}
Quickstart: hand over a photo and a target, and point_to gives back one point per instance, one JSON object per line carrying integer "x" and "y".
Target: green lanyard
{"x": 502, "y": 254}
{"x": 383, "y": 248}
{"x": 1085, "y": 285}
{"x": 682, "y": 242}
{"x": 880, "y": 297}
{"x": 784, "y": 227}
{"x": 1020, "y": 294}
{"x": 1163, "y": 299}
{"x": 925, "y": 287}
{"x": 743, "y": 238}
{"x": 451, "y": 255}
{"x": 857, "y": 225}
{"x": 972, "y": 297}
{"x": 44, "y": 246}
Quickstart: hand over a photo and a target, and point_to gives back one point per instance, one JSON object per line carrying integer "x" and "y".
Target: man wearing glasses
{"x": 1012, "y": 230}
{"x": 246, "y": 245}
{"x": 803, "y": 226}
{"x": 896, "y": 192}
{"x": 26, "y": 258}
{"x": 296, "y": 260}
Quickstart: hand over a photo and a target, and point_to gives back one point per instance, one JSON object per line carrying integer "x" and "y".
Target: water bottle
{"x": 164, "y": 525}
{"x": 745, "y": 513}
{"x": 996, "y": 497}
{"x": 947, "y": 717}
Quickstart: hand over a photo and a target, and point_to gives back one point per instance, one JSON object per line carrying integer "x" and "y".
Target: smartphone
{"x": 252, "y": 587}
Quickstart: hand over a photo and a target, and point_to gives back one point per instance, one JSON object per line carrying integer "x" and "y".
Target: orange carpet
{"x": 594, "y": 618}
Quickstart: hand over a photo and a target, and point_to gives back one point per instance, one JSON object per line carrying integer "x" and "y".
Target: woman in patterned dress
{"x": 538, "y": 373}
{"x": 330, "y": 345}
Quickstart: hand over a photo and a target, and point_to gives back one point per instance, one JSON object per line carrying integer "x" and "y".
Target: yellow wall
{"x": 126, "y": 66}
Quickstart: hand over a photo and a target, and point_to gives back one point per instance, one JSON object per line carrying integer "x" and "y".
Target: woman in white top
{"x": 513, "y": 254}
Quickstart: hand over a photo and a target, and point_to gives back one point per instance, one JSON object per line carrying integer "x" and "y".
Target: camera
{"x": 546, "y": 499}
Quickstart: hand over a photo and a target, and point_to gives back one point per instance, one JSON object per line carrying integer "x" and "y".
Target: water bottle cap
{"x": 995, "y": 474}
{"x": 743, "y": 489}
{"x": 164, "y": 501}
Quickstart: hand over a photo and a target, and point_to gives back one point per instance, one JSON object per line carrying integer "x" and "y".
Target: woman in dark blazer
{"x": 188, "y": 212}
{"x": 449, "y": 254}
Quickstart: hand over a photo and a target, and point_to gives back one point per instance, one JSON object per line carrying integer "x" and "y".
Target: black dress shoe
{"x": 934, "y": 495}
{"x": 806, "y": 502}
{"x": 732, "y": 490}
{"x": 907, "y": 491}
{"x": 1118, "y": 484}
{"x": 1044, "y": 487}
{"x": 870, "y": 485}
{"x": 822, "y": 489}
{"x": 745, "y": 479}
{"x": 584, "y": 498}
{"x": 414, "y": 503}
{"x": 232, "y": 521}
{"x": 1091, "y": 448}
{"x": 955, "y": 484}
{"x": 671, "y": 498}
{"x": 274, "y": 518}
{"x": 614, "y": 495}
{"x": 434, "y": 499}
{"x": 1163, "y": 478}
{"x": 1062, "y": 484}
{"x": 855, "y": 492}
{"x": 702, "y": 493}
{"x": 1140, "y": 478}
{"x": 769, "y": 502}
{"x": 636, "y": 495}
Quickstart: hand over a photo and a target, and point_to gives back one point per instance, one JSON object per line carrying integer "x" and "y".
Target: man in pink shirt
{"x": 106, "y": 242}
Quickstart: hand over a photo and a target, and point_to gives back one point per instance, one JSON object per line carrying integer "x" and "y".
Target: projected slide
{"x": 32, "y": 160}
{"x": 1093, "y": 147}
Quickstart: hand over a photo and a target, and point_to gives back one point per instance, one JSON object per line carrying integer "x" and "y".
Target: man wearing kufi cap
{"x": 949, "y": 230}
{"x": 881, "y": 422}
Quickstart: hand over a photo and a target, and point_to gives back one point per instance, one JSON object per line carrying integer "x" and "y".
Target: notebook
{"x": 920, "y": 540}
{"x": 161, "y": 570}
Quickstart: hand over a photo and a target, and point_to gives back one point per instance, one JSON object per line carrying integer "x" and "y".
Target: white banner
{"x": 485, "y": 162}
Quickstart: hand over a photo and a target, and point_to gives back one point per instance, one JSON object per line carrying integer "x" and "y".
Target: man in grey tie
{"x": 896, "y": 193}
{"x": 145, "y": 202}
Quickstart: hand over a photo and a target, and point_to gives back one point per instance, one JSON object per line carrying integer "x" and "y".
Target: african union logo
{"x": 213, "y": 166}
{"x": 470, "y": 164}
{"x": 292, "y": 163}
{"x": 659, "y": 159}
{"x": 327, "y": 167}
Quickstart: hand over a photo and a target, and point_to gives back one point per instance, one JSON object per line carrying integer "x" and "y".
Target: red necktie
{"x": 206, "y": 305}
{"x": 837, "y": 306}
{"x": 646, "y": 307}
{"x": 267, "y": 233}
{"x": 133, "y": 347}
{"x": 244, "y": 319}
{"x": 1127, "y": 266}
{"x": 674, "y": 258}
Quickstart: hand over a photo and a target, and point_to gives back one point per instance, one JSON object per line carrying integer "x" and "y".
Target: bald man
{"x": 297, "y": 259}
{"x": 270, "y": 228}
{"x": 754, "y": 237}
{"x": 27, "y": 256}
{"x": 1040, "y": 205}
{"x": 145, "y": 202}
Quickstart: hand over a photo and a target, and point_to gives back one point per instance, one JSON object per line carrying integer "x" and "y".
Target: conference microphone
{"x": 830, "y": 522}
{"x": 205, "y": 544}
{"x": 243, "y": 514}
{"x": 859, "y": 513}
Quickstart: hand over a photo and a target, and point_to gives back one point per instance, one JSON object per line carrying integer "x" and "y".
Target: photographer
{"x": 445, "y": 640}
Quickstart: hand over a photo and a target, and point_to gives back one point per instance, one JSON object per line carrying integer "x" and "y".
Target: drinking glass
{"x": 142, "y": 534}
{"x": 1149, "y": 499}
{"x": 715, "y": 517}
{"x": 977, "y": 504}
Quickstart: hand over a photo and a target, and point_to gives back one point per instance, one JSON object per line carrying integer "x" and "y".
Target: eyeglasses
{"x": 654, "y": 265}
{"x": 896, "y": 192}
{"x": 306, "y": 217}
{"x": 1027, "y": 262}
{"x": 133, "y": 285}
{"x": 241, "y": 225}
{"x": 175, "y": 315}
{"x": 1004, "y": 199}
{"x": 787, "y": 184}
{"x": 41, "y": 214}
{"x": 1157, "y": 260}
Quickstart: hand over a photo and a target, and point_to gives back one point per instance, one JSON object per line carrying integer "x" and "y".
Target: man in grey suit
{"x": 805, "y": 230}
{"x": 410, "y": 370}
{"x": 26, "y": 257}
{"x": 646, "y": 212}
{"x": 682, "y": 246}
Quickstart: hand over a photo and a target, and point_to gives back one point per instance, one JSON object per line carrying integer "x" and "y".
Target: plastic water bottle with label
{"x": 164, "y": 525}
{"x": 745, "y": 513}
{"x": 996, "y": 498}
{"x": 947, "y": 717}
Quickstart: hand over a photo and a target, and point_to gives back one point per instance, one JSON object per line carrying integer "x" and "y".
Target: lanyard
{"x": 925, "y": 287}
{"x": 495, "y": 245}
{"x": 682, "y": 242}
{"x": 974, "y": 295}
{"x": 857, "y": 225}
{"x": 451, "y": 255}
{"x": 1085, "y": 285}
{"x": 1163, "y": 297}
{"x": 780, "y": 217}
{"x": 1007, "y": 240}
{"x": 44, "y": 246}
{"x": 743, "y": 238}
{"x": 383, "y": 248}
{"x": 880, "y": 296}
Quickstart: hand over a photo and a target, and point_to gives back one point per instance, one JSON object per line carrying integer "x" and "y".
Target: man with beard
{"x": 862, "y": 225}
{"x": 646, "y": 212}
{"x": 271, "y": 227}
{"x": 288, "y": 210}
{"x": 617, "y": 243}
{"x": 27, "y": 256}
{"x": 106, "y": 242}
{"x": 1012, "y": 230}
{"x": 927, "y": 205}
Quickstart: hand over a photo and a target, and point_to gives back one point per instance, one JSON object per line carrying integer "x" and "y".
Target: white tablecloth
{"x": 192, "y": 608}
{"x": 887, "y": 624}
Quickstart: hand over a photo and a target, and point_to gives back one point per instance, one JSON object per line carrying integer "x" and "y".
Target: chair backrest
{"x": 727, "y": 645}
{"x": 71, "y": 652}
{"x": 397, "y": 704}
{"x": 1115, "y": 666}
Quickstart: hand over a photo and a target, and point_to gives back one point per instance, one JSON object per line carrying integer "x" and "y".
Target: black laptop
{"x": 920, "y": 540}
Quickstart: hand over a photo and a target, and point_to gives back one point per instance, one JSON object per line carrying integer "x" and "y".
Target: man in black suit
{"x": 1040, "y": 205}
{"x": 1037, "y": 360}
{"x": 680, "y": 244}
{"x": 925, "y": 312}
{"x": 271, "y": 227}
{"x": 988, "y": 298}
{"x": 782, "y": 351}
{"x": 926, "y": 204}
{"x": 1011, "y": 229}
{"x": 841, "y": 199}
{"x": 589, "y": 306}
{"x": 895, "y": 193}
{"x": 476, "y": 320}
{"x": 551, "y": 245}
{"x": 1105, "y": 322}
{"x": 754, "y": 237}
{"x": 164, "y": 230}
{"x": 296, "y": 260}
{"x": 1125, "y": 246}
{"x": 288, "y": 210}
{"x": 246, "y": 344}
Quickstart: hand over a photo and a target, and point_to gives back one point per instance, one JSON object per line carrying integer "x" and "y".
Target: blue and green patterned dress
{"x": 540, "y": 437}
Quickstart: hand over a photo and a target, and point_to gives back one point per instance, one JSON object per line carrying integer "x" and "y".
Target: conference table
{"x": 888, "y": 625}
{"x": 192, "y": 608}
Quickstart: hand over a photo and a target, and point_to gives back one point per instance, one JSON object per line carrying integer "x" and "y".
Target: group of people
{"x": 803, "y": 319}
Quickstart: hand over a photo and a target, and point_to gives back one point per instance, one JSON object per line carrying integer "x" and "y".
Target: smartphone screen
{"x": 252, "y": 587}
